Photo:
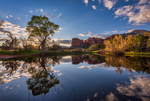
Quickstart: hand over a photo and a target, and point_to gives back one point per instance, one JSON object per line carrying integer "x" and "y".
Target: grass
{"x": 22, "y": 52}
{"x": 141, "y": 54}
{"x": 135, "y": 53}
{"x": 19, "y": 52}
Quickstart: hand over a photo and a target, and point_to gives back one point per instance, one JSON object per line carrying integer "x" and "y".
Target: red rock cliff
{"x": 88, "y": 42}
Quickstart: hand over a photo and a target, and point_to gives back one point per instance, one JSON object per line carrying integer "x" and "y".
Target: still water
{"x": 75, "y": 78}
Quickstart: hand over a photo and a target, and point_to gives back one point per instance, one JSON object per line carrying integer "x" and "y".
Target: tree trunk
{"x": 11, "y": 45}
{"x": 43, "y": 45}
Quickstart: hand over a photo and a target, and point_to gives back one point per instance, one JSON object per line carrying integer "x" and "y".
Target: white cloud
{"x": 110, "y": 32}
{"x": 114, "y": 31}
{"x": 90, "y": 67}
{"x": 10, "y": 16}
{"x": 129, "y": 31}
{"x": 94, "y": 7}
{"x": 55, "y": 9}
{"x": 86, "y": 2}
{"x": 6, "y": 26}
{"x": 124, "y": 10}
{"x": 101, "y": 9}
{"x": 41, "y": 10}
{"x": 100, "y": 36}
{"x": 59, "y": 15}
{"x": 89, "y": 34}
{"x": 93, "y": 0}
{"x": 18, "y": 18}
{"x": 50, "y": 15}
{"x": 6, "y": 17}
{"x": 143, "y": 1}
{"x": 126, "y": 0}
{"x": 82, "y": 34}
{"x": 109, "y": 3}
{"x": 60, "y": 28}
{"x": 86, "y": 34}
{"x": 31, "y": 11}
{"x": 103, "y": 35}
{"x": 122, "y": 31}
{"x": 138, "y": 14}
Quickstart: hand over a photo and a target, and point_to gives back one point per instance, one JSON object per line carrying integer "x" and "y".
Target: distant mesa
{"x": 92, "y": 41}
{"x": 88, "y": 42}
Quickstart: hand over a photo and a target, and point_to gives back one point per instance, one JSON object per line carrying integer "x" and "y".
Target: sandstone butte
{"x": 88, "y": 42}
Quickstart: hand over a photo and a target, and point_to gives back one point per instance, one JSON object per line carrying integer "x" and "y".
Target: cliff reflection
{"x": 90, "y": 59}
{"x": 138, "y": 64}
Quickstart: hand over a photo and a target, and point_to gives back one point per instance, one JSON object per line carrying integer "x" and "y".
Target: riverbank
{"x": 14, "y": 54}
{"x": 147, "y": 54}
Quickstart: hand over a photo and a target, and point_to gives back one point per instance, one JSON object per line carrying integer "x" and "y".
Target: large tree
{"x": 41, "y": 28}
{"x": 13, "y": 41}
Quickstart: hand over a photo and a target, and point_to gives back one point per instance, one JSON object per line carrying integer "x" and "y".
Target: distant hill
{"x": 134, "y": 32}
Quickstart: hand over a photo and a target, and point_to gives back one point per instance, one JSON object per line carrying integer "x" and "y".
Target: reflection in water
{"x": 131, "y": 64}
{"x": 90, "y": 59}
{"x": 38, "y": 70}
{"x": 42, "y": 78}
{"x": 138, "y": 64}
{"x": 77, "y": 84}
{"x": 138, "y": 86}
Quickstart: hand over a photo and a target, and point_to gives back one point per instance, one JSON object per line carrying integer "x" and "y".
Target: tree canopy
{"x": 41, "y": 28}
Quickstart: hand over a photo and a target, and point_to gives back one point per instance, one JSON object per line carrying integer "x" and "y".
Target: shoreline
{"x": 59, "y": 53}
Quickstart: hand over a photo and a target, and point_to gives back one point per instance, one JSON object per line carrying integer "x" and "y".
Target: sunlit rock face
{"x": 88, "y": 42}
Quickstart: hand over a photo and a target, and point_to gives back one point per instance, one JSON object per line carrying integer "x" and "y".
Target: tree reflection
{"x": 42, "y": 78}
{"x": 12, "y": 66}
{"x": 38, "y": 69}
{"x": 138, "y": 64}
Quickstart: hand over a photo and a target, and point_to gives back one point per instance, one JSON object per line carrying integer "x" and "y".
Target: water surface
{"x": 75, "y": 78}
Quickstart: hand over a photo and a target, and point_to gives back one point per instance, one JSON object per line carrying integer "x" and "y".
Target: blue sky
{"x": 78, "y": 18}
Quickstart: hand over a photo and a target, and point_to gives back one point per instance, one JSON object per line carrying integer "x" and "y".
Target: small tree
{"x": 118, "y": 44}
{"x": 55, "y": 47}
{"x": 41, "y": 28}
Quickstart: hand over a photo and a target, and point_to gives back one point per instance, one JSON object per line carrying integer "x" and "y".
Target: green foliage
{"x": 138, "y": 43}
{"x": 40, "y": 27}
{"x": 96, "y": 47}
{"x": 118, "y": 44}
{"x": 147, "y": 35}
{"x": 55, "y": 47}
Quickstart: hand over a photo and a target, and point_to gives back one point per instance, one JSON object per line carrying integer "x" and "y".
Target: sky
{"x": 76, "y": 18}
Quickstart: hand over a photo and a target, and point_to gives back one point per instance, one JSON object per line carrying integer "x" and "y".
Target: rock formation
{"x": 92, "y": 41}
{"x": 88, "y": 42}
